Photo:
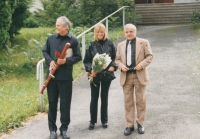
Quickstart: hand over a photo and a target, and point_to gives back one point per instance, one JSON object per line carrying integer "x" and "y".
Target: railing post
{"x": 40, "y": 77}
{"x": 41, "y": 70}
{"x": 123, "y": 17}
{"x": 107, "y": 27}
{"x": 83, "y": 47}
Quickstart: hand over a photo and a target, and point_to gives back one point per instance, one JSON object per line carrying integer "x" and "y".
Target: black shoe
{"x": 128, "y": 131}
{"x": 105, "y": 125}
{"x": 91, "y": 126}
{"x": 65, "y": 135}
{"x": 140, "y": 129}
{"x": 53, "y": 135}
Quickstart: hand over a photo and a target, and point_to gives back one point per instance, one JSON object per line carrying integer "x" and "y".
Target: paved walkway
{"x": 173, "y": 95}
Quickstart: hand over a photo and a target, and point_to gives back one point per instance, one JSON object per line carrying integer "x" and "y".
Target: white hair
{"x": 130, "y": 26}
{"x": 65, "y": 21}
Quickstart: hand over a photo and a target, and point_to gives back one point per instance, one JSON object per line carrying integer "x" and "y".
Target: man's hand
{"x": 61, "y": 61}
{"x": 124, "y": 68}
{"x": 138, "y": 67}
{"x": 53, "y": 65}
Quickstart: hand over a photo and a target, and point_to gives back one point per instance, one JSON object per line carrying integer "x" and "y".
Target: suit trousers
{"x": 105, "y": 85}
{"x": 134, "y": 97}
{"x": 64, "y": 90}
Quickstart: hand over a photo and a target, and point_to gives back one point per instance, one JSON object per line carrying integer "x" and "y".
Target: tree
{"x": 80, "y": 12}
{"x": 12, "y": 15}
{"x": 19, "y": 15}
{"x": 131, "y": 17}
{"x": 5, "y": 21}
{"x": 95, "y": 10}
{"x": 52, "y": 10}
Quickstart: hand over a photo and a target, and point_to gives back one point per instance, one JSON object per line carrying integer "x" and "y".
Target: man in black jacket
{"x": 61, "y": 85}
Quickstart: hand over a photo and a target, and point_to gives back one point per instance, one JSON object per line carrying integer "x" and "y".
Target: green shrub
{"x": 31, "y": 22}
{"x": 5, "y": 22}
{"x": 20, "y": 13}
{"x": 195, "y": 18}
{"x": 84, "y": 12}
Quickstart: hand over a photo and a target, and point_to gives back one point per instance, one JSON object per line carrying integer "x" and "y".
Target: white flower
{"x": 104, "y": 54}
{"x": 108, "y": 60}
{"x": 96, "y": 56}
{"x": 99, "y": 62}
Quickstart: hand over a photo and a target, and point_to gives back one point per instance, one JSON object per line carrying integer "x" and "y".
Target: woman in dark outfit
{"x": 102, "y": 80}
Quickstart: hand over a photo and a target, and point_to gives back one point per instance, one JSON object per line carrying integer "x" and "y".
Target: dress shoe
{"x": 91, "y": 126}
{"x": 105, "y": 125}
{"x": 53, "y": 135}
{"x": 128, "y": 131}
{"x": 140, "y": 129}
{"x": 65, "y": 135}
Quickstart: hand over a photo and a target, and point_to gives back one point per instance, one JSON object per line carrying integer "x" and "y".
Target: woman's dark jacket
{"x": 95, "y": 47}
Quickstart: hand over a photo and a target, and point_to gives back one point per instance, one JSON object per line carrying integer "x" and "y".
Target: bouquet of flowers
{"x": 99, "y": 63}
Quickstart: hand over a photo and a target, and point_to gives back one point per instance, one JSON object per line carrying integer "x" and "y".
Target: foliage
{"x": 195, "y": 18}
{"x": 114, "y": 22}
{"x": 77, "y": 12}
{"x": 25, "y": 52}
{"x": 20, "y": 13}
{"x": 31, "y": 22}
{"x": 96, "y": 10}
{"x": 5, "y": 21}
{"x": 12, "y": 15}
{"x": 52, "y": 10}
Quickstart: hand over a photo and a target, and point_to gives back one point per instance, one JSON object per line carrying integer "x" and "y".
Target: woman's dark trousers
{"x": 105, "y": 85}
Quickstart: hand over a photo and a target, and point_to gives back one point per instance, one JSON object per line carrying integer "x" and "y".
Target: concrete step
{"x": 157, "y": 22}
{"x": 167, "y": 9}
{"x": 152, "y": 22}
{"x": 170, "y": 13}
{"x": 157, "y": 13}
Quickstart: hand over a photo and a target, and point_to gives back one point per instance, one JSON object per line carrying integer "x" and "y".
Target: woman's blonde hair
{"x": 99, "y": 26}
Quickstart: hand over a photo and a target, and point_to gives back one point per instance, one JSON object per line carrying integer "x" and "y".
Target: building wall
{"x": 185, "y": 1}
{"x": 36, "y": 5}
{"x": 164, "y": 1}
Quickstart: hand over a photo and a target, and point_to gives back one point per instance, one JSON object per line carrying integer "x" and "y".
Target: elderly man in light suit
{"x": 133, "y": 56}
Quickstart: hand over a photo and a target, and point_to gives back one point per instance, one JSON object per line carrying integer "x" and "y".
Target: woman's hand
{"x": 93, "y": 74}
{"x": 111, "y": 69}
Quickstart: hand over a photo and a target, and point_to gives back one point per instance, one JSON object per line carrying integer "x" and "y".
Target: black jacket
{"x": 109, "y": 48}
{"x": 56, "y": 42}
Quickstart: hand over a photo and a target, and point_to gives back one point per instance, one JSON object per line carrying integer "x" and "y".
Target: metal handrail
{"x": 40, "y": 67}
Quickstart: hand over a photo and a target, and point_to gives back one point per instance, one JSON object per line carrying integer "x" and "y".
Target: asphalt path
{"x": 173, "y": 95}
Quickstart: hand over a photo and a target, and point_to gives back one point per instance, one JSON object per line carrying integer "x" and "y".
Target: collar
{"x": 132, "y": 41}
{"x": 68, "y": 35}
